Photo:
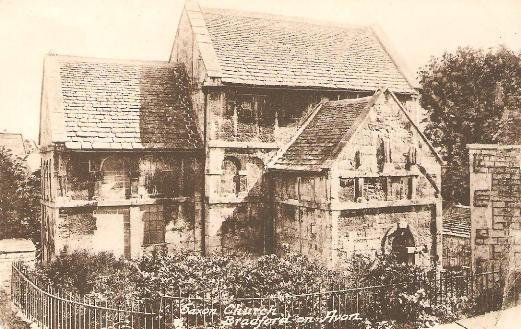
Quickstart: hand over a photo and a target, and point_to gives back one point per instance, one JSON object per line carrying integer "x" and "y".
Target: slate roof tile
{"x": 279, "y": 51}
{"x": 456, "y": 221}
{"x": 124, "y": 104}
{"x": 330, "y": 125}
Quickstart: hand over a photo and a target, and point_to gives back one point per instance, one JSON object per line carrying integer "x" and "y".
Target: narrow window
{"x": 230, "y": 179}
{"x": 154, "y": 226}
{"x": 410, "y": 187}
{"x": 411, "y": 156}
{"x": 359, "y": 189}
{"x": 357, "y": 160}
{"x": 347, "y": 189}
{"x": 383, "y": 154}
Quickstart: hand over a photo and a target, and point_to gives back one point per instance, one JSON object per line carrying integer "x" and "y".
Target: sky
{"x": 145, "y": 30}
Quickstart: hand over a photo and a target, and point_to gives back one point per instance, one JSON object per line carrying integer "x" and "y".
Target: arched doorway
{"x": 400, "y": 242}
{"x": 402, "y": 245}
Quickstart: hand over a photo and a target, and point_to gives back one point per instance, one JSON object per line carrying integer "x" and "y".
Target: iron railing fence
{"x": 54, "y": 309}
{"x": 338, "y": 307}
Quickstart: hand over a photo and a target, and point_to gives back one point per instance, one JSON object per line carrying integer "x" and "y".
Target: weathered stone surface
{"x": 235, "y": 205}
{"x": 495, "y": 204}
{"x": 363, "y": 197}
{"x": 123, "y": 202}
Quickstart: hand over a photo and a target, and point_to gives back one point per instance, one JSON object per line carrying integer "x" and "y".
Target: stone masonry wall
{"x": 125, "y": 203}
{"x": 495, "y": 192}
{"x": 237, "y": 210}
{"x": 369, "y": 231}
{"x": 401, "y": 191}
{"x": 121, "y": 230}
{"x": 301, "y": 216}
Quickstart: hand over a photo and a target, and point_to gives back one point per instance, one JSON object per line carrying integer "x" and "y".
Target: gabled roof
{"x": 115, "y": 104}
{"x": 267, "y": 50}
{"x": 456, "y": 221}
{"x": 327, "y": 130}
{"x": 13, "y": 142}
{"x": 331, "y": 124}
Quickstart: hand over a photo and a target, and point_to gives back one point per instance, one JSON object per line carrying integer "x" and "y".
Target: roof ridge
{"x": 350, "y": 100}
{"x": 78, "y": 59}
{"x": 280, "y": 17}
{"x": 276, "y": 51}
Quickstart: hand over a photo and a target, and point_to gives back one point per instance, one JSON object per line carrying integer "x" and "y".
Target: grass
{"x": 8, "y": 317}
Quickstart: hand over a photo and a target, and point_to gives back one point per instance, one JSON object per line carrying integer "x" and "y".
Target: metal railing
{"x": 332, "y": 308}
{"x": 53, "y": 309}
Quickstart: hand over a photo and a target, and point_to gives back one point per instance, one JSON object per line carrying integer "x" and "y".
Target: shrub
{"x": 239, "y": 276}
{"x": 402, "y": 297}
{"x": 84, "y": 273}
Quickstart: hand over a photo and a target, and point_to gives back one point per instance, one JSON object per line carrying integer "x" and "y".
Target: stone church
{"x": 260, "y": 134}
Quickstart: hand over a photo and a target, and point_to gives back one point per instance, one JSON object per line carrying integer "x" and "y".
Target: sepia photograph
{"x": 321, "y": 164}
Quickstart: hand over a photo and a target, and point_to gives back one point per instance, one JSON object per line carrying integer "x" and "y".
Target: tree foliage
{"x": 19, "y": 199}
{"x": 466, "y": 94}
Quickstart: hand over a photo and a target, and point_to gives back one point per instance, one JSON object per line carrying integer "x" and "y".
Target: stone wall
{"x": 237, "y": 209}
{"x": 303, "y": 230}
{"x": 388, "y": 124}
{"x": 125, "y": 203}
{"x": 185, "y": 51}
{"x": 495, "y": 189}
{"x": 238, "y": 228}
{"x": 369, "y": 232}
{"x": 367, "y": 198}
{"x": 301, "y": 216}
{"x": 387, "y": 179}
{"x": 115, "y": 176}
{"x": 127, "y": 230}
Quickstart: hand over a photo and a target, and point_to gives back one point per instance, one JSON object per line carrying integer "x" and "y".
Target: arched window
{"x": 230, "y": 179}
{"x": 115, "y": 182}
{"x": 403, "y": 246}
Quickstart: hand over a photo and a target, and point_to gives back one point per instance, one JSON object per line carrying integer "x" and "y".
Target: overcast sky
{"x": 135, "y": 29}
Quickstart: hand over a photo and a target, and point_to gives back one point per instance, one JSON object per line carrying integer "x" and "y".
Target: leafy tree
{"x": 466, "y": 94}
{"x": 19, "y": 199}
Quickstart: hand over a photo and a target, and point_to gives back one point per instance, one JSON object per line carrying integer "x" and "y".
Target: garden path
{"x": 504, "y": 319}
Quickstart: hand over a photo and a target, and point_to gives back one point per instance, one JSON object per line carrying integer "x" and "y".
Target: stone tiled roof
{"x": 333, "y": 123}
{"x": 456, "y": 221}
{"x": 13, "y": 142}
{"x": 268, "y": 50}
{"x": 110, "y": 104}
